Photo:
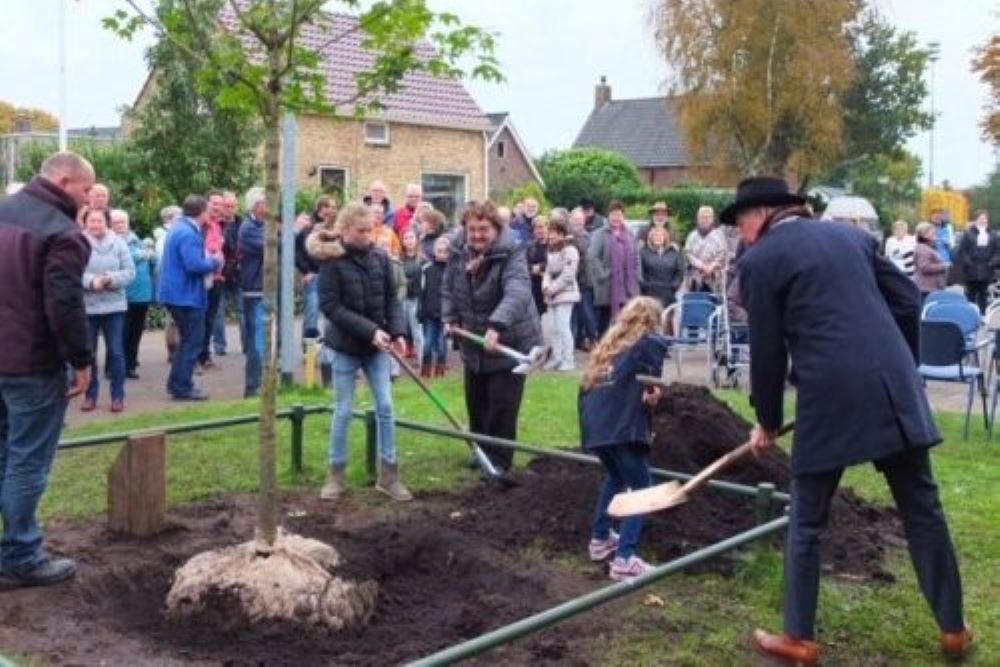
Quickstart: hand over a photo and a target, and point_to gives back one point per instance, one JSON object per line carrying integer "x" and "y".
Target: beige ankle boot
{"x": 334, "y": 487}
{"x": 390, "y": 484}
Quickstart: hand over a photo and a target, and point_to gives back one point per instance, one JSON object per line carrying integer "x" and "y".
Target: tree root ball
{"x": 294, "y": 583}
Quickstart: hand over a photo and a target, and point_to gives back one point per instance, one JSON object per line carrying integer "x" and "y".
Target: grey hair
{"x": 120, "y": 213}
{"x": 66, "y": 162}
{"x": 922, "y": 229}
{"x": 559, "y": 213}
{"x": 253, "y": 197}
{"x": 168, "y": 213}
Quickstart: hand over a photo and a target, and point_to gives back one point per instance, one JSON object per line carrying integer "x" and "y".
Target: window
{"x": 446, "y": 192}
{"x": 501, "y": 149}
{"x": 333, "y": 181}
{"x": 377, "y": 134}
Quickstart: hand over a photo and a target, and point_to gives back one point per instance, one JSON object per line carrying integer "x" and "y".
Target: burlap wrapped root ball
{"x": 293, "y": 583}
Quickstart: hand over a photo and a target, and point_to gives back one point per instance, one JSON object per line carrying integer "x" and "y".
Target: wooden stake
{"x": 137, "y": 486}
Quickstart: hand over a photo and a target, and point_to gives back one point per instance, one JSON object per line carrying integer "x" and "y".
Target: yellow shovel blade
{"x": 647, "y": 500}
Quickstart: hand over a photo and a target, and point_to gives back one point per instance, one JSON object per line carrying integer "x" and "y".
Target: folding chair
{"x": 943, "y": 296}
{"x": 942, "y": 359}
{"x": 694, "y": 329}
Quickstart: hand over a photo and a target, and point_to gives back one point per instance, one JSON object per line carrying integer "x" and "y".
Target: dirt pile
{"x": 554, "y": 500}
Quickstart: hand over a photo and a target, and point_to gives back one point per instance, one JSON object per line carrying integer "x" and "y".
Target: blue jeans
{"x": 191, "y": 328}
{"x": 310, "y": 308}
{"x": 435, "y": 345}
{"x": 584, "y": 317}
{"x": 627, "y": 467}
{"x": 32, "y": 408}
{"x": 209, "y": 320}
{"x": 345, "y": 371}
{"x": 410, "y": 308}
{"x": 253, "y": 322}
{"x": 234, "y": 295}
{"x": 112, "y": 327}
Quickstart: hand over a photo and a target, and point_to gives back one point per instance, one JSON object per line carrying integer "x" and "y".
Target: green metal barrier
{"x": 586, "y": 602}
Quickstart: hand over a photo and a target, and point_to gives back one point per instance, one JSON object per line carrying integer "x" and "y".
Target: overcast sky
{"x": 552, "y": 53}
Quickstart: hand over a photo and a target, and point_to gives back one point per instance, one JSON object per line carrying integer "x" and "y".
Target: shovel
{"x": 484, "y": 461}
{"x": 537, "y": 357}
{"x": 669, "y": 494}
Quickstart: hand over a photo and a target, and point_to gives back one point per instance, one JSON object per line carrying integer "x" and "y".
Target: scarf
{"x": 624, "y": 282}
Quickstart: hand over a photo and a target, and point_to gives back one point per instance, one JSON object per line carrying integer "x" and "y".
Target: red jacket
{"x": 404, "y": 218}
{"x": 43, "y": 253}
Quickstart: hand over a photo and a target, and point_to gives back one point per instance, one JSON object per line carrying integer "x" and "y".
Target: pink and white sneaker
{"x": 623, "y": 569}
{"x": 601, "y": 550}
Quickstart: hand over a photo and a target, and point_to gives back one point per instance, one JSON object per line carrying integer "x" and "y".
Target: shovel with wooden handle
{"x": 537, "y": 357}
{"x": 481, "y": 458}
{"x": 670, "y": 494}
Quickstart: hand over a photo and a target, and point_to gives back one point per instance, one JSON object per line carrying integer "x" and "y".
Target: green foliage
{"x": 987, "y": 195}
{"x": 528, "y": 190}
{"x": 891, "y": 183}
{"x": 586, "y": 172}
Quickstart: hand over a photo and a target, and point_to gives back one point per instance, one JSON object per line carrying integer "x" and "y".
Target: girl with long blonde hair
{"x": 615, "y": 425}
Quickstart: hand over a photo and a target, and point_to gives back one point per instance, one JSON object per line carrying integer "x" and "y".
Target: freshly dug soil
{"x": 554, "y": 501}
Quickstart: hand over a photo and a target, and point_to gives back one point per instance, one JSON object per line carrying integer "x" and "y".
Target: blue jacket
{"x": 140, "y": 290}
{"x": 250, "y": 254}
{"x": 819, "y": 292}
{"x": 184, "y": 266}
{"x": 612, "y": 413}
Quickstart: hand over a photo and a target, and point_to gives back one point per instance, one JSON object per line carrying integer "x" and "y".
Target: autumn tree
{"x": 252, "y": 58}
{"x": 986, "y": 64}
{"x": 40, "y": 120}
{"x": 761, "y": 82}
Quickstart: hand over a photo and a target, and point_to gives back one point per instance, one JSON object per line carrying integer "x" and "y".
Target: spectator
{"x": 944, "y": 239}
{"x": 377, "y": 195}
{"x": 99, "y": 197}
{"x": 979, "y": 254}
{"x": 139, "y": 292}
{"x": 537, "y": 253}
{"x": 659, "y": 216}
{"x": 592, "y": 220}
{"x": 505, "y": 215}
{"x": 584, "y": 316}
{"x": 523, "y": 225}
{"x": 661, "y": 267}
{"x": 382, "y": 234}
{"x": 406, "y": 213}
{"x": 706, "y": 252}
{"x": 324, "y": 211}
{"x": 614, "y": 266}
{"x": 109, "y": 271}
{"x": 358, "y": 297}
{"x": 434, "y": 358}
{"x": 324, "y": 244}
{"x": 518, "y": 210}
{"x": 231, "y": 221}
{"x": 212, "y": 231}
{"x": 250, "y": 252}
{"x": 167, "y": 216}
{"x": 183, "y": 272}
{"x": 44, "y": 253}
{"x": 561, "y": 292}
{"x": 929, "y": 271}
{"x": 412, "y": 266}
{"x": 899, "y": 247}
{"x": 432, "y": 227}
{"x": 487, "y": 290}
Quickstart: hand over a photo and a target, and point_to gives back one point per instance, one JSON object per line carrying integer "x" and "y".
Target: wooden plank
{"x": 137, "y": 486}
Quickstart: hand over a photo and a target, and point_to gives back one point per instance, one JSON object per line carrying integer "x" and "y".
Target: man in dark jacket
{"x": 978, "y": 255}
{"x": 231, "y": 223}
{"x": 814, "y": 291}
{"x": 357, "y": 294}
{"x": 43, "y": 326}
{"x": 592, "y": 219}
{"x": 487, "y": 290}
{"x": 324, "y": 215}
{"x": 250, "y": 251}
{"x": 584, "y": 315}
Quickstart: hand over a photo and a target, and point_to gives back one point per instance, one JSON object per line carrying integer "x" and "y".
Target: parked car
{"x": 857, "y": 211}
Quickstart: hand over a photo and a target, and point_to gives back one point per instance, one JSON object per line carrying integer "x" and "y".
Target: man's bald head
{"x": 71, "y": 173}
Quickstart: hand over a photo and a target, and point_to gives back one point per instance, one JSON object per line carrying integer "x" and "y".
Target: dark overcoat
{"x": 819, "y": 294}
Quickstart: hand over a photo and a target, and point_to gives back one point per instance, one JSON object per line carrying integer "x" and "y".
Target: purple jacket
{"x": 43, "y": 254}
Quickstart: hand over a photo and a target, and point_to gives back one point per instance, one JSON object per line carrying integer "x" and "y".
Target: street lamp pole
{"x": 62, "y": 75}
{"x": 933, "y": 54}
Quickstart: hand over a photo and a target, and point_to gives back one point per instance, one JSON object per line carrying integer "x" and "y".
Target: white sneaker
{"x": 624, "y": 570}
{"x": 601, "y": 550}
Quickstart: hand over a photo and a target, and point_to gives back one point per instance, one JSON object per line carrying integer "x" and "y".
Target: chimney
{"x": 602, "y": 93}
{"x": 22, "y": 122}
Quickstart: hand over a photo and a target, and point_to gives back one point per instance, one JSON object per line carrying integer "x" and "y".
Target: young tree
{"x": 761, "y": 82}
{"x": 986, "y": 64}
{"x": 252, "y": 60}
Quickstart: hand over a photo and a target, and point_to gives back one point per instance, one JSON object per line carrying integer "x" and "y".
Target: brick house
{"x": 510, "y": 164}
{"x": 430, "y": 132}
{"x": 647, "y": 131}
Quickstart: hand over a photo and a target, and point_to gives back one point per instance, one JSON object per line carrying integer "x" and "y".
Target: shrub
{"x": 586, "y": 172}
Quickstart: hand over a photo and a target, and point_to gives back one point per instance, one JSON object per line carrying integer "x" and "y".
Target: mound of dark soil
{"x": 554, "y": 500}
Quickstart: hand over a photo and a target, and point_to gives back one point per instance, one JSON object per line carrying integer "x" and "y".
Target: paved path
{"x": 225, "y": 382}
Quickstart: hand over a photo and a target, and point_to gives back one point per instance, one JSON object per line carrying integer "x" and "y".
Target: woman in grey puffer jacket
{"x": 561, "y": 293}
{"x": 487, "y": 290}
{"x": 108, "y": 273}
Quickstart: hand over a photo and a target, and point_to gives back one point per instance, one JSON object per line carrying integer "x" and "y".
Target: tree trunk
{"x": 267, "y": 511}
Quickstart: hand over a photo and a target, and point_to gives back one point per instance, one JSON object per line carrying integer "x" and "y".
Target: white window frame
{"x": 444, "y": 172}
{"x": 375, "y": 141}
{"x": 346, "y": 170}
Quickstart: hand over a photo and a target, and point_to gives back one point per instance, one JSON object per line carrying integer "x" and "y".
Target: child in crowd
{"x": 429, "y": 311}
{"x": 413, "y": 264}
{"x": 615, "y": 426}
{"x": 385, "y": 244}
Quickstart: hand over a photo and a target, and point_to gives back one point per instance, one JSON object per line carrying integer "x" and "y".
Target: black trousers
{"x": 977, "y": 292}
{"x": 494, "y": 401}
{"x": 135, "y": 324}
{"x": 912, "y": 484}
{"x": 214, "y": 298}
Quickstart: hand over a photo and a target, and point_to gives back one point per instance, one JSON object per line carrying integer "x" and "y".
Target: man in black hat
{"x": 815, "y": 293}
{"x": 592, "y": 219}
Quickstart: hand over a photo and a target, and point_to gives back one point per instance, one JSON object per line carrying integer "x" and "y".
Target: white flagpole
{"x": 62, "y": 74}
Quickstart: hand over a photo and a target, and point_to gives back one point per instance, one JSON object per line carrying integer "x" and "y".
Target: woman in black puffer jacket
{"x": 487, "y": 290}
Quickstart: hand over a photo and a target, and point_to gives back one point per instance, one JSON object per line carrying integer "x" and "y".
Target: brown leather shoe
{"x": 956, "y": 644}
{"x": 792, "y": 651}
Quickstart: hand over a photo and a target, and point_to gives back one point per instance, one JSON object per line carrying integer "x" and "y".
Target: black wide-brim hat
{"x": 759, "y": 191}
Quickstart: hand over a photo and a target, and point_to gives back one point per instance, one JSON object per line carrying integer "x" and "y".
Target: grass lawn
{"x": 706, "y": 618}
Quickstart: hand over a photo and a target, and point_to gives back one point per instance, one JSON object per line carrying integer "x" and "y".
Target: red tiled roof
{"x": 422, "y": 99}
